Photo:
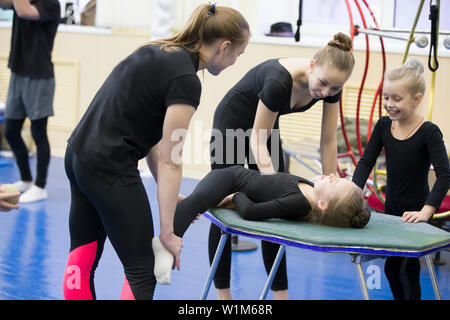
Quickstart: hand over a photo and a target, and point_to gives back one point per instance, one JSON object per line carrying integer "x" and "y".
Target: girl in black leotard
{"x": 148, "y": 96}
{"x": 411, "y": 145}
{"x": 256, "y": 196}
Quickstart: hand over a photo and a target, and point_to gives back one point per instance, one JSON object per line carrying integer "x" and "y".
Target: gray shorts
{"x": 32, "y": 98}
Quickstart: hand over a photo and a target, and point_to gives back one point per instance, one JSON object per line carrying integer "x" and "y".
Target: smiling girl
{"x": 411, "y": 145}
{"x": 283, "y": 86}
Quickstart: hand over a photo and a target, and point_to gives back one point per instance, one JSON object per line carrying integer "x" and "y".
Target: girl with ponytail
{"x": 148, "y": 96}
{"x": 209, "y": 25}
{"x": 411, "y": 146}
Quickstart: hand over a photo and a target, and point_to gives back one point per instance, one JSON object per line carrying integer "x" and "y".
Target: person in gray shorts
{"x": 31, "y": 88}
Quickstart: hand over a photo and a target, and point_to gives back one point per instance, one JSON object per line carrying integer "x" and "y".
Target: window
{"x": 6, "y": 15}
{"x": 316, "y": 13}
{"x": 323, "y": 18}
{"x": 405, "y": 12}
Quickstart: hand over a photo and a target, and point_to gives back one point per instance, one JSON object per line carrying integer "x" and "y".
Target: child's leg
{"x": 215, "y": 186}
{"x": 223, "y": 271}
{"x": 403, "y": 275}
{"x": 413, "y": 272}
{"x": 280, "y": 283}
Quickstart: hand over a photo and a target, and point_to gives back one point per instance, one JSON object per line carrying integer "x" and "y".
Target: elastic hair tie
{"x": 213, "y": 8}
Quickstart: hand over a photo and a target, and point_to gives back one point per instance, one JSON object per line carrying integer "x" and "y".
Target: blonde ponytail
{"x": 207, "y": 24}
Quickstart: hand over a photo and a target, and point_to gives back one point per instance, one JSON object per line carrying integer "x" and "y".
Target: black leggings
{"x": 215, "y": 186}
{"x": 269, "y": 249}
{"x": 403, "y": 275}
{"x": 13, "y": 131}
{"x": 118, "y": 211}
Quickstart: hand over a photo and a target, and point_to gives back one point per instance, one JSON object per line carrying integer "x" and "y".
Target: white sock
{"x": 22, "y": 186}
{"x": 163, "y": 262}
{"x": 33, "y": 194}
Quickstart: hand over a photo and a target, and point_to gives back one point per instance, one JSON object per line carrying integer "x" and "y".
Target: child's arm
{"x": 369, "y": 157}
{"x": 439, "y": 158}
{"x": 291, "y": 207}
{"x": 328, "y": 140}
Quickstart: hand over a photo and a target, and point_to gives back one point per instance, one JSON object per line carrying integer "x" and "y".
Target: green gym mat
{"x": 384, "y": 235}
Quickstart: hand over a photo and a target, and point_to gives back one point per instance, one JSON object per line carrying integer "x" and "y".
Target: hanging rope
{"x": 299, "y": 21}
{"x": 433, "y": 65}
{"x": 434, "y": 17}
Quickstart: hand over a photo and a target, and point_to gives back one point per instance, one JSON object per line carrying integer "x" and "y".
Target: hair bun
{"x": 361, "y": 218}
{"x": 341, "y": 41}
{"x": 415, "y": 64}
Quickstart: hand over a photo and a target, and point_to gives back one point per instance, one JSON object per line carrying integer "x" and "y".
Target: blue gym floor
{"x": 34, "y": 242}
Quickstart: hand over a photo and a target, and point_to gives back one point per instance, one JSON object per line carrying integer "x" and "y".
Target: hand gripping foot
{"x": 163, "y": 262}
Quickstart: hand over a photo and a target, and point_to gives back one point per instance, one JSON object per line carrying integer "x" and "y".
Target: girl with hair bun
{"x": 411, "y": 145}
{"x": 149, "y": 95}
{"x": 271, "y": 89}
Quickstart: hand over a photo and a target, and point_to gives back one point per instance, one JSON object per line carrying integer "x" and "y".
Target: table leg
{"x": 356, "y": 259}
{"x": 273, "y": 271}
{"x": 215, "y": 263}
{"x": 429, "y": 261}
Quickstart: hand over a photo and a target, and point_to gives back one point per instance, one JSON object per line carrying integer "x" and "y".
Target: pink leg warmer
{"x": 126, "y": 294}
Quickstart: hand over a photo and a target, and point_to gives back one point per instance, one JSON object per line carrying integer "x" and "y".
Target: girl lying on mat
{"x": 255, "y": 196}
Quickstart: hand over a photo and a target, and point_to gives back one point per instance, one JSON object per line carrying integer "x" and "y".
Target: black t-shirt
{"x": 407, "y": 165}
{"x": 125, "y": 118}
{"x": 32, "y": 41}
{"x": 279, "y": 198}
{"x": 269, "y": 82}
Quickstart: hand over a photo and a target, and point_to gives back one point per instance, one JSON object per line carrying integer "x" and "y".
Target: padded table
{"x": 384, "y": 235}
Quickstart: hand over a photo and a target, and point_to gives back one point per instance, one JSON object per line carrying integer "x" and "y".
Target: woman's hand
{"x": 5, "y": 198}
{"x": 418, "y": 216}
{"x": 227, "y": 202}
{"x": 174, "y": 245}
